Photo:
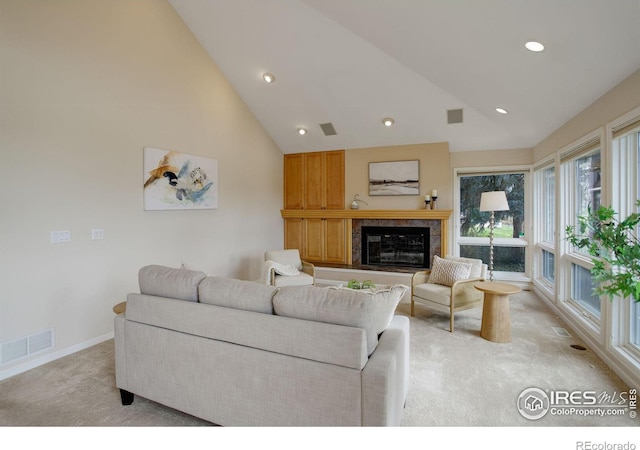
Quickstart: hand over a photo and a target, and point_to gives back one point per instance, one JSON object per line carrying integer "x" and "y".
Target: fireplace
{"x": 391, "y": 246}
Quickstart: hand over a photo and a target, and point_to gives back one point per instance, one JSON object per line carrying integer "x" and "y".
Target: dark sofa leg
{"x": 126, "y": 397}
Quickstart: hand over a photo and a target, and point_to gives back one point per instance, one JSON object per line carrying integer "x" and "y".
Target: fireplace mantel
{"x": 429, "y": 214}
{"x": 441, "y": 215}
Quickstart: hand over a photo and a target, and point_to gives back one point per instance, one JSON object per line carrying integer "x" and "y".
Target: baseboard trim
{"x": 37, "y": 362}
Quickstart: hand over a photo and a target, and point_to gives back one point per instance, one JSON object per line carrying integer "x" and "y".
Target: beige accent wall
{"x": 434, "y": 174}
{"x": 618, "y": 101}
{"x": 85, "y": 86}
{"x": 489, "y": 158}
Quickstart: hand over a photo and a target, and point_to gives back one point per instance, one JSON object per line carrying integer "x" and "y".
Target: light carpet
{"x": 457, "y": 379}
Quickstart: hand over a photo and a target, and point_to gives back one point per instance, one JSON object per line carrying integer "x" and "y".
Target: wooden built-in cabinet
{"x": 294, "y": 179}
{"x": 314, "y": 180}
{"x": 318, "y": 239}
{"x": 325, "y": 240}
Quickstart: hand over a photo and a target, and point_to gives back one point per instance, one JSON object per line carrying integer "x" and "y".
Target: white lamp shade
{"x": 494, "y": 201}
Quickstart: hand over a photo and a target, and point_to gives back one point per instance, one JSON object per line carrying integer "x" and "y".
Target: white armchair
{"x": 448, "y": 285}
{"x": 285, "y": 268}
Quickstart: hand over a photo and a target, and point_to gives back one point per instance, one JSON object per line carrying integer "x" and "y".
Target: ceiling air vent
{"x": 327, "y": 129}
{"x": 454, "y": 116}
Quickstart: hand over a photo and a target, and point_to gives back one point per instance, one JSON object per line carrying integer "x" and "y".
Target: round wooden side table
{"x": 496, "y": 316}
{"x": 120, "y": 308}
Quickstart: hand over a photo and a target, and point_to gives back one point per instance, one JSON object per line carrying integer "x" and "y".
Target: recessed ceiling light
{"x": 534, "y": 46}
{"x": 502, "y": 111}
{"x": 302, "y": 131}
{"x": 268, "y": 77}
{"x": 388, "y": 121}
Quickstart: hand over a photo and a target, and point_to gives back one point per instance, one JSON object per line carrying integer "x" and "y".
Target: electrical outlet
{"x": 97, "y": 234}
{"x": 58, "y": 237}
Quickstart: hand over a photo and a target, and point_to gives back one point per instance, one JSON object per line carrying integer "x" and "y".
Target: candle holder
{"x": 433, "y": 202}
{"x": 427, "y": 203}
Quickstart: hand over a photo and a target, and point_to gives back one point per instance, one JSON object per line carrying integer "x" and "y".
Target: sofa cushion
{"x": 446, "y": 272}
{"x": 161, "y": 281}
{"x": 369, "y": 310}
{"x": 239, "y": 294}
{"x": 433, "y": 292}
{"x": 302, "y": 279}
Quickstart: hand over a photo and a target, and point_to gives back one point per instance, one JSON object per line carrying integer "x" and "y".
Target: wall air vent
{"x": 20, "y": 348}
{"x": 328, "y": 129}
{"x": 454, "y": 116}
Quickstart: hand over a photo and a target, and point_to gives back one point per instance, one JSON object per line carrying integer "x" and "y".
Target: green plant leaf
{"x": 367, "y": 284}
{"x": 614, "y": 248}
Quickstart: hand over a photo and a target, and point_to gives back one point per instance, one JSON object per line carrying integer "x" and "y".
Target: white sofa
{"x": 240, "y": 353}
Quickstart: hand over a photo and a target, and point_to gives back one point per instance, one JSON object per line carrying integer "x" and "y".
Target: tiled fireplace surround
{"x": 356, "y": 238}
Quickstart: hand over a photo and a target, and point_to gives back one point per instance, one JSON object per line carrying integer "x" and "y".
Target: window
{"x": 473, "y": 233}
{"x": 582, "y": 286}
{"x": 548, "y": 215}
{"x": 625, "y": 192}
{"x": 588, "y": 186}
{"x": 580, "y": 192}
{"x": 634, "y": 322}
{"x": 545, "y": 214}
{"x": 548, "y": 263}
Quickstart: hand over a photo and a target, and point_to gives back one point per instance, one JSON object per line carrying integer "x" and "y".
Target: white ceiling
{"x": 354, "y": 62}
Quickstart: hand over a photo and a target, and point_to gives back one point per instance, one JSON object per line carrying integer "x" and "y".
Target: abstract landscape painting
{"x": 174, "y": 180}
{"x": 394, "y": 178}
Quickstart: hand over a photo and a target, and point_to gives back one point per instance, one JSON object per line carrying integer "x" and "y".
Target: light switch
{"x": 97, "y": 234}
{"x": 58, "y": 237}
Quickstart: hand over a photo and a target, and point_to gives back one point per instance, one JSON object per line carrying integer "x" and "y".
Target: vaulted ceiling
{"x": 352, "y": 63}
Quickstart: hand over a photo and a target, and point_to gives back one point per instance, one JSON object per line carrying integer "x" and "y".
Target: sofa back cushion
{"x": 161, "y": 281}
{"x": 239, "y": 294}
{"x": 366, "y": 309}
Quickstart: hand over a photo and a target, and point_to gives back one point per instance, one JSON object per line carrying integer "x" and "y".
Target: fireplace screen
{"x": 395, "y": 246}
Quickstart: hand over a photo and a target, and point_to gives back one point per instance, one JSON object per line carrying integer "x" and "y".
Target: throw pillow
{"x": 284, "y": 269}
{"x": 446, "y": 272}
{"x": 476, "y": 264}
{"x": 371, "y": 311}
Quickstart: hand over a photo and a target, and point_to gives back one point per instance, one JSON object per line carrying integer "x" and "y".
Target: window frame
{"x": 522, "y": 242}
{"x": 541, "y": 244}
{"x": 625, "y": 190}
{"x": 590, "y": 144}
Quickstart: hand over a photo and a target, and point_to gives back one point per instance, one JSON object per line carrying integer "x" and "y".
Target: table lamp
{"x": 493, "y": 201}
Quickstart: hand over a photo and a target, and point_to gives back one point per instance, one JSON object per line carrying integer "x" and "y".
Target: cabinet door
{"x": 335, "y": 236}
{"x": 314, "y": 187}
{"x": 334, "y": 180}
{"x": 294, "y": 235}
{"x": 314, "y": 239}
{"x": 294, "y": 181}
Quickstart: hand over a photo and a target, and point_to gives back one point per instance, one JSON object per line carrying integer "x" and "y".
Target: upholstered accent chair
{"x": 448, "y": 285}
{"x": 285, "y": 268}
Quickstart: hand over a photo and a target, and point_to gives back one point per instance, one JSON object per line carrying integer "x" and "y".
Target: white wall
{"x": 85, "y": 86}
